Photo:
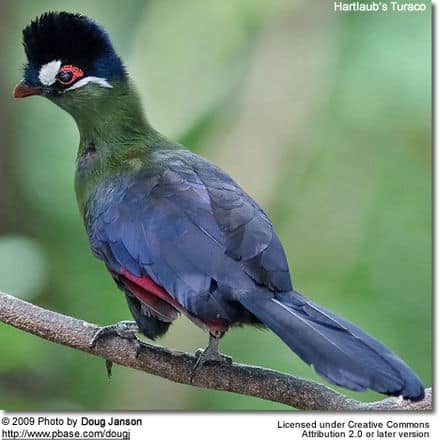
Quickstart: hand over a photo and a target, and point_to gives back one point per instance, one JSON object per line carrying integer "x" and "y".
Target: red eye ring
{"x": 68, "y": 74}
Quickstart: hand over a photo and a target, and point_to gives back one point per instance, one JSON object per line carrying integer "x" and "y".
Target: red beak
{"x": 21, "y": 90}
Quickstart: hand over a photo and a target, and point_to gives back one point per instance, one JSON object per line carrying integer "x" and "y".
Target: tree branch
{"x": 178, "y": 366}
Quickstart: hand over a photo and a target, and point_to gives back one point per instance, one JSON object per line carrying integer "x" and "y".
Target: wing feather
{"x": 188, "y": 226}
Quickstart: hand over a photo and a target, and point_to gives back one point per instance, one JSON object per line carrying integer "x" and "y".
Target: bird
{"x": 177, "y": 234}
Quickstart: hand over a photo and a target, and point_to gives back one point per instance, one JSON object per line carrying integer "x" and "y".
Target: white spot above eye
{"x": 48, "y": 72}
{"x": 102, "y": 82}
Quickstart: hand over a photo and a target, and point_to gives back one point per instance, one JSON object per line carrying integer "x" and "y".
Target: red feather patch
{"x": 161, "y": 302}
{"x": 149, "y": 285}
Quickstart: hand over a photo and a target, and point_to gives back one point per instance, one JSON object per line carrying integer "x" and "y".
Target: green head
{"x": 71, "y": 61}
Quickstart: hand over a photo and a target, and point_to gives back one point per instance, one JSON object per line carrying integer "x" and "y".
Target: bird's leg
{"x": 211, "y": 353}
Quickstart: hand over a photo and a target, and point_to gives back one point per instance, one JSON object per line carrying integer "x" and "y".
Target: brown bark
{"x": 179, "y": 367}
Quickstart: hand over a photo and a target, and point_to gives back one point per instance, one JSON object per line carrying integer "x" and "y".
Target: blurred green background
{"x": 325, "y": 118}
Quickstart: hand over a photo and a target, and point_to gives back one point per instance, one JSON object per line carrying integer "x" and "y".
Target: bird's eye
{"x": 69, "y": 74}
{"x": 65, "y": 77}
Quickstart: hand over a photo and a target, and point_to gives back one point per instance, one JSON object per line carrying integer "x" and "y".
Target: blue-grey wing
{"x": 192, "y": 230}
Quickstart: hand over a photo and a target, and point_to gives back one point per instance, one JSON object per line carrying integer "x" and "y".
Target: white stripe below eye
{"x": 48, "y": 72}
{"x": 90, "y": 79}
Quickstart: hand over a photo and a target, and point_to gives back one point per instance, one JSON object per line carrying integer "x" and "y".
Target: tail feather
{"x": 338, "y": 350}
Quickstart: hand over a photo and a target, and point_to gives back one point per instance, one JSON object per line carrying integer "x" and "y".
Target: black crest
{"x": 72, "y": 39}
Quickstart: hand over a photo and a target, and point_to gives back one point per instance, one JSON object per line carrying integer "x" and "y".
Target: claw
{"x": 139, "y": 345}
{"x": 109, "y": 366}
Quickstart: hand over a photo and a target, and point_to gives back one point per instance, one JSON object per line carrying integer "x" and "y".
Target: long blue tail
{"x": 338, "y": 350}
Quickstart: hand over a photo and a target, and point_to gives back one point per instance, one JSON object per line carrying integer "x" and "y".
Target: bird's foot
{"x": 123, "y": 329}
{"x": 210, "y": 354}
{"x": 205, "y": 356}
